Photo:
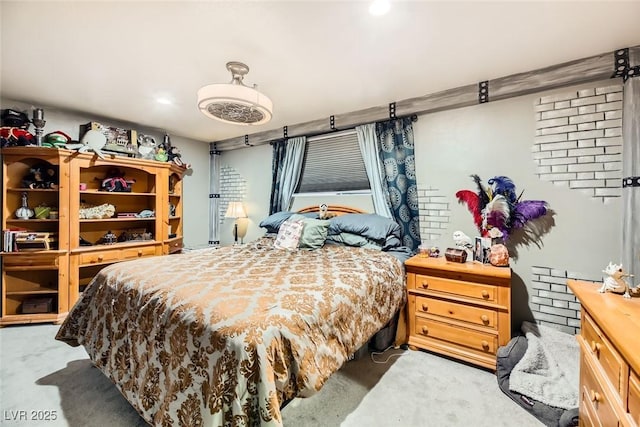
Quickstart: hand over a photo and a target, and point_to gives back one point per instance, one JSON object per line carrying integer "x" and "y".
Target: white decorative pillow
{"x": 289, "y": 235}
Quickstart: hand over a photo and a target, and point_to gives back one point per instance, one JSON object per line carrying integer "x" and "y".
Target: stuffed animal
{"x": 13, "y": 136}
{"x": 175, "y": 157}
{"x": 324, "y": 214}
{"x": 115, "y": 182}
{"x": 41, "y": 175}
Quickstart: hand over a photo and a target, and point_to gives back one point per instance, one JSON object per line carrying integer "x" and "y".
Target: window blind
{"x": 333, "y": 162}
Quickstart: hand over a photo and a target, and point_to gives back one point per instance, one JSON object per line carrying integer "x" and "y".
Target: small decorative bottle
{"x": 23, "y": 211}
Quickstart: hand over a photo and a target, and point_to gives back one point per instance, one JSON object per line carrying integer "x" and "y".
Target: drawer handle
{"x": 485, "y": 294}
{"x": 425, "y": 285}
{"x": 425, "y": 307}
{"x": 100, "y": 257}
{"x": 175, "y": 244}
{"x": 484, "y": 318}
{"x": 485, "y": 345}
{"x": 425, "y": 330}
{"x": 139, "y": 252}
{"x": 595, "y": 346}
{"x": 595, "y": 396}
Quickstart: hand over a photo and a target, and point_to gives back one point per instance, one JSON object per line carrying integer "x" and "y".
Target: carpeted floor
{"x": 412, "y": 388}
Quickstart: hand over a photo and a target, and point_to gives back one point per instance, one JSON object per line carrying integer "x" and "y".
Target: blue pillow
{"x": 273, "y": 222}
{"x": 372, "y": 226}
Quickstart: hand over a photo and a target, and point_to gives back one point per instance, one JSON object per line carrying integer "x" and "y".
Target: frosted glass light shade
{"x": 235, "y": 103}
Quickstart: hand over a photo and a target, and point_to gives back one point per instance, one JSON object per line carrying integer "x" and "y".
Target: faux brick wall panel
{"x": 552, "y": 302}
{"x": 233, "y": 187}
{"x": 578, "y": 138}
{"x": 434, "y": 213}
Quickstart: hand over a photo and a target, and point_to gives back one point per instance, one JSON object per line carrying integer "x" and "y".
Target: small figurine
{"x": 146, "y": 213}
{"x": 463, "y": 242}
{"x": 109, "y": 238}
{"x": 161, "y": 154}
{"x": 614, "y": 282}
{"x": 24, "y": 212}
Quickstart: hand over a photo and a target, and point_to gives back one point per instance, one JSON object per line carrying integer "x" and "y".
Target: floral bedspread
{"x": 224, "y": 336}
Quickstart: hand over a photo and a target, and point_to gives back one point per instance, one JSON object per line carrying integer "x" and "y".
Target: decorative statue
{"x": 614, "y": 282}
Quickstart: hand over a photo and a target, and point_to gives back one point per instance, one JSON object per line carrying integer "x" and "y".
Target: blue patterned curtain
{"x": 397, "y": 152}
{"x": 286, "y": 167}
{"x": 279, "y": 150}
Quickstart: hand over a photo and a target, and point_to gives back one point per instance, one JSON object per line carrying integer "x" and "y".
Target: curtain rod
{"x": 332, "y": 134}
{"x": 585, "y": 70}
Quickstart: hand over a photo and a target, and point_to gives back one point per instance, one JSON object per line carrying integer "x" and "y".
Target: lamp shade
{"x": 235, "y": 210}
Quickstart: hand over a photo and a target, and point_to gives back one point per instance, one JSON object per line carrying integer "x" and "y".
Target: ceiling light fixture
{"x": 234, "y": 102}
{"x": 379, "y": 7}
{"x": 163, "y": 101}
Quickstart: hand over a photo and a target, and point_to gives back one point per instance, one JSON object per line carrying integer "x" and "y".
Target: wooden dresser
{"x": 460, "y": 310}
{"x": 609, "y": 357}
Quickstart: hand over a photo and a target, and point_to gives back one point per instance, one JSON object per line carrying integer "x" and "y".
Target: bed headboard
{"x": 332, "y": 209}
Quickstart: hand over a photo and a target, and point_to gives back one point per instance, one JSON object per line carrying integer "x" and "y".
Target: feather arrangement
{"x": 497, "y": 206}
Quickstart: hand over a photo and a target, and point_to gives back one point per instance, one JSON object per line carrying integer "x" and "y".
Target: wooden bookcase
{"x": 174, "y": 219}
{"x": 36, "y": 275}
{"x": 62, "y": 273}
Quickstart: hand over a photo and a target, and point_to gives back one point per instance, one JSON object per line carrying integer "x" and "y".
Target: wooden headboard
{"x": 332, "y": 209}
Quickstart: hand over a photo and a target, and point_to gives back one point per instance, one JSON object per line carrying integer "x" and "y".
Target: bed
{"x": 226, "y": 336}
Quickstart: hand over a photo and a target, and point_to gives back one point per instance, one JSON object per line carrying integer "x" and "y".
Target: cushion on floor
{"x": 508, "y": 357}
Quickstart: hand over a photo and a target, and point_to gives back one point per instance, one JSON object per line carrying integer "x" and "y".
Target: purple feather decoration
{"x": 527, "y": 210}
{"x": 503, "y": 185}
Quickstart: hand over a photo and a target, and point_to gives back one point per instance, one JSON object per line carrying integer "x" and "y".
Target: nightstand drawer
{"x": 472, "y": 339}
{"x": 466, "y": 313}
{"x": 634, "y": 397}
{"x": 479, "y": 291}
{"x": 601, "y": 350}
{"x": 594, "y": 398}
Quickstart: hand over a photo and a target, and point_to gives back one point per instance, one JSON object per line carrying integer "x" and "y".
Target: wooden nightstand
{"x": 459, "y": 310}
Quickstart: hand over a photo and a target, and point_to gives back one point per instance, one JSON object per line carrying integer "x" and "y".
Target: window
{"x": 333, "y": 163}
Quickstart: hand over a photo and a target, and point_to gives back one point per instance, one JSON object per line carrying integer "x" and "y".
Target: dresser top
{"x": 474, "y": 268}
{"x": 618, "y": 317}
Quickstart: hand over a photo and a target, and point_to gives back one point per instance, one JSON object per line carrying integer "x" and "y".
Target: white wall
{"x": 254, "y": 165}
{"x": 496, "y": 139}
{"x": 196, "y": 181}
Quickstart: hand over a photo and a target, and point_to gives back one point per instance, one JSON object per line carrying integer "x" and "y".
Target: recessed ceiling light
{"x": 379, "y": 7}
{"x": 164, "y": 101}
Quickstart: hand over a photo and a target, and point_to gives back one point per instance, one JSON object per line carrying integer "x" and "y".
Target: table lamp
{"x": 236, "y": 210}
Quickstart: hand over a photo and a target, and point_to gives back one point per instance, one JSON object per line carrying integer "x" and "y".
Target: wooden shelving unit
{"x": 36, "y": 275}
{"x": 61, "y": 273}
